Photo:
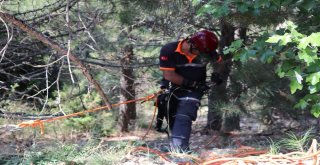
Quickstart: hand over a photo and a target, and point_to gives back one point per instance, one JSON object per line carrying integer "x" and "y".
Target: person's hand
{"x": 199, "y": 86}
{"x": 216, "y": 78}
{"x": 202, "y": 87}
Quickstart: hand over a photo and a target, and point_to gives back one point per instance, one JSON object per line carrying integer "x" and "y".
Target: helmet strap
{"x": 191, "y": 45}
{"x": 190, "y": 48}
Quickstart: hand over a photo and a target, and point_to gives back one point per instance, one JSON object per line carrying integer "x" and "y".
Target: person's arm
{"x": 177, "y": 79}
{"x": 173, "y": 77}
{"x": 168, "y": 66}
{"x": 217, "y": 64}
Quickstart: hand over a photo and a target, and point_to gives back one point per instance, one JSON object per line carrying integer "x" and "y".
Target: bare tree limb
{"x": 69, "y": 40}
{"x": 47, "y": 91}
{"x": 3, "y": 50}
{"x": 32, "y": 32}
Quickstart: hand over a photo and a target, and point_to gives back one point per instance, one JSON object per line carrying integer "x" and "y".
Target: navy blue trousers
{"x": 188, "y": 105}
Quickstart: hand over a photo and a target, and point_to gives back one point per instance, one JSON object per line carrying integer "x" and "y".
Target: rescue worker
{"x": 183, "y": 64}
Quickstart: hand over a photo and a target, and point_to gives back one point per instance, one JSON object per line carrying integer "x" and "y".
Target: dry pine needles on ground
{"x": 244, "y": 156}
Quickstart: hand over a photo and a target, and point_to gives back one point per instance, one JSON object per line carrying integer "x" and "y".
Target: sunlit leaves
{"x": 303, "y": 43}
{"x": 234, "y": 47}
{"x": 279, "y": 72}
{"x": 315, "y": 110}
{"x": 297, "y": 56}
{"x": 282, "y": 39}
{"x": 274, "y": 39}
{"x": 312, "y": 89}
{"x": 307, "y": 56}
{"x": 294, "y": 48}
{"x": 196, "y": 2}
{"x": 313, "y": 78}
{"x": 290, "y": 25}
{"x": 313, "y": 40}
{"x": 295, "y": 85}
{"x": 239, "y": 52}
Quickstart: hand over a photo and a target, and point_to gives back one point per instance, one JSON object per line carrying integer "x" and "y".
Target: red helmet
{"x": 205, "y": 41}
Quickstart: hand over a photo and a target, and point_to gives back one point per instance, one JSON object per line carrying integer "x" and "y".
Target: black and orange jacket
{"x": 172, "y": 58}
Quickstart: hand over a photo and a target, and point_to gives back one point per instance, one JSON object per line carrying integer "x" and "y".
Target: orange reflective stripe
{"x": 163, "y": 68}
{"x": 179, "y": 50}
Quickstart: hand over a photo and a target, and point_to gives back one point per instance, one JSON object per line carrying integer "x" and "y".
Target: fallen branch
{"x": 32, "y": 32}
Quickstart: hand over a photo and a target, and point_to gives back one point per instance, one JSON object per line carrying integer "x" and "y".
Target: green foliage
{"x": 274, "y": 147}
{"x": 295, "y": 56}
{"x": 15, "y": 160}
{"x": 80, "y": 123}
{"x": 128, "y": 15}
{"x": 294, "y": 53}
{"x": 227, "y": 109}
{"x": 71, "y": 103}
{"x": 24, "y": 6}
{"x": 234, "y": 47}
{"x": 89, "y": 153}
{"x": 254, "y": 89}
{"x": 78, "y": 99}
{"x": 104, "y": 123}
{"x": 259, "y": 12}
{"x": 14, "y": 86}
{"x": 303, "y": 70}
{"x": 60, "y": 153}
{"x": 241, "y": 12}
{"x": 17, "y": 106}
{"x": 293, "y": 142}
{"x": 297, "y": 142}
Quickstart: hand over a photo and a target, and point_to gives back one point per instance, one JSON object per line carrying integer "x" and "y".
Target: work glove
{"x": 216, "y": 78}
{"x": 202, "y": 87}
{"x": 199, "y": 86}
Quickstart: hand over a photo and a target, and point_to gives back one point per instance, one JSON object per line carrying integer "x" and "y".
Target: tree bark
{"x": 55, "y": 46}
{"x": 217, "y": 119}
{"x": 127, "y": 91}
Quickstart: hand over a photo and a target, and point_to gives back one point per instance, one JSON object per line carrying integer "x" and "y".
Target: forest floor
{"x": 237, "y": 147}
{"x": 129, "y": 149}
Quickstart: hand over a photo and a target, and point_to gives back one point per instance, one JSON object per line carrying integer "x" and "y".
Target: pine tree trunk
{"x": 127, "y": 91}
{"x": 217, "y": 119}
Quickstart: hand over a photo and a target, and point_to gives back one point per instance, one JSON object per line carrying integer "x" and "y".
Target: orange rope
{"x": 163, "y": 156}
{"x": 154, "y": 114}
{"x": 166, "y": 156}
{"x": 36, "y": 123}
{"x": 290, "y": 158}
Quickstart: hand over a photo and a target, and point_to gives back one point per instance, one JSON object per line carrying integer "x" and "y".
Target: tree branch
{"x": 32, "y": 32}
